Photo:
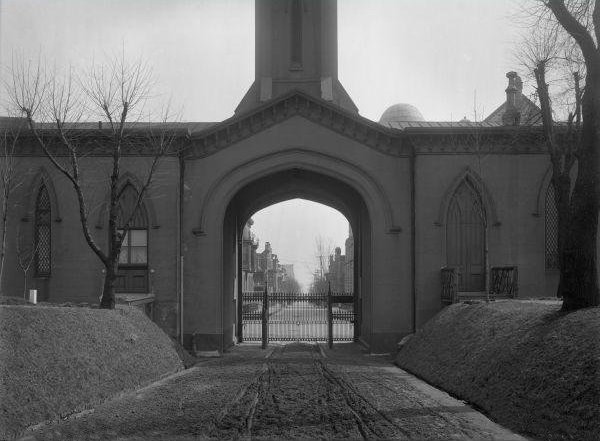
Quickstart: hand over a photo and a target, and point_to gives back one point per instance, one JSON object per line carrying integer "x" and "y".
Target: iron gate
{"x": 284, "y": 316}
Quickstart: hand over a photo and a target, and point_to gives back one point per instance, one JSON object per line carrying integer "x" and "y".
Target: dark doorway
{"x": 465, "y": 238}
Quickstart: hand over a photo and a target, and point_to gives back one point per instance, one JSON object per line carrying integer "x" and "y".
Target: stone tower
{"x": 296, "y": 48}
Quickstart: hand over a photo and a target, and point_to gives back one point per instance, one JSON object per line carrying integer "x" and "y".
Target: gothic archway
{"x": 289, "y": 184}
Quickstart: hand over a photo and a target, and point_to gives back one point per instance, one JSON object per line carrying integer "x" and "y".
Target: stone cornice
{"x": 393, "y": 142}
{"x": 495, "y": 141}
{"x": 295, "y": 103}
{"x": 96, "y": 143}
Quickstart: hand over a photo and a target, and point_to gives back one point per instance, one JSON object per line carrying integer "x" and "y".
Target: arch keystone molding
{"x": 468, "y": 174}
{"x": 224, "y": 188}
{"x": 41, "y": 177}
{"x": 124, "y": 179}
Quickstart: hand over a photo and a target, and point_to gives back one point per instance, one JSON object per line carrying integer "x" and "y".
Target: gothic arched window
{"x": 133, "y": 259}
{"x": 551, "y": 238}
{"x": 43, "y": 233}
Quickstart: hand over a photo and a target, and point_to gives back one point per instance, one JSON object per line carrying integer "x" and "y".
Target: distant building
{"x": 349, "y": 275}
{"x": 249, "y": 259}
{"x": 340, "y": 273}
{"x": 517, "y": 109}
{"x": 288, "y": 269}
{"x": 337, "y": 271}
{"x": 260, "y": 269}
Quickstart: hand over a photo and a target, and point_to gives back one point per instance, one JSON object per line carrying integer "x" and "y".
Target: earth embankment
{"x": 526, "y": 364}
{"x": 55, "y": 361}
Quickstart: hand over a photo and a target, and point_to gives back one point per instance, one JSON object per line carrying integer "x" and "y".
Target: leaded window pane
{"x": 139, "y": 238}
{"x": 43, "y": 233}
{"x": 139, "y": 255}
{"x": 127, "y": 203}
{"x": 551, "y": 240}
{"x": 133, "y": 260}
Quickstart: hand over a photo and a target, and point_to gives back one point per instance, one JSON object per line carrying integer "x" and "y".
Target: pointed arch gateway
{"x": 132, "y": 275}
{"x": 279, "y": 186}
{"x": 466, "y": 223}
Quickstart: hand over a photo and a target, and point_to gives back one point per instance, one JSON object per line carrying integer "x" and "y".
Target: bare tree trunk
{"x": 25, "y": 284}
{"x": 562, "y": 161}
{"x": 108, "y": 291}
{"x": 579, "y": 278}
{"x": 580, "y": 287}
{"x": 3, "y": 239}
{"x": 562, "y": 190}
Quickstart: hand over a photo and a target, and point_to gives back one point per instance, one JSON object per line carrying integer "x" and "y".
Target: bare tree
{"x": 54, "y": 107}
{"x": 25, "y": 258}
{"x": 290, "y": 284}
{"x": 323, "y": 250}
{"x": 8, "y": 183}
{"x": 564, "y": 40}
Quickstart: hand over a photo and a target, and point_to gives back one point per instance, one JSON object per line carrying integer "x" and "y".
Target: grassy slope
{"x": 54, "y": 361}
{"x": 527, "y": 365}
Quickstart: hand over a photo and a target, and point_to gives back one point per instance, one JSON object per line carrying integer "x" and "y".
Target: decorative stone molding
{"x": 486, "y": 141}
{"x": 234, "y": 180}
{"x": 41, "y": 177}
{"x": 479, "y": 184}
{"x": 96, "y": 143}
{"x": 125, "y": 178}
{"x": 296, "y": 103}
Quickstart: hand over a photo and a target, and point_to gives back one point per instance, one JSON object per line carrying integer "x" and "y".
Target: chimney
{"x": 512, "y": 114}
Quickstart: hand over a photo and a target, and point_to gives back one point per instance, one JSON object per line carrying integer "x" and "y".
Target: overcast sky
{"x": 440, "y": 55}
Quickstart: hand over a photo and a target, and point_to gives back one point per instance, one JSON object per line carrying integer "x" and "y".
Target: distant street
{"x": 296, "y": 391}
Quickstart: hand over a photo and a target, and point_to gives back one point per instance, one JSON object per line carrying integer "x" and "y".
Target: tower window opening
{"x": 296, "y": 35}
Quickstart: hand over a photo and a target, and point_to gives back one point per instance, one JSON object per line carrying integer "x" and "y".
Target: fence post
{"x": 329, "y": 318}
{"x": 265, "y": 319}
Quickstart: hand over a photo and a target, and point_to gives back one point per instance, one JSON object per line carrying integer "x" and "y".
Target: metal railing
{"x": 504, "y": 283}
{"x": 285, "y": 316}
{"x": 449, "y": 285}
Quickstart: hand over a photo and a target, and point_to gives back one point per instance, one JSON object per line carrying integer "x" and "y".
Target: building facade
{"x": 260, "y": 270}
{"x": 349, "y": 271}
{"x": 336, "y": 275}
{"x": 419, "y": 196}
{"x": 340, "y": 270}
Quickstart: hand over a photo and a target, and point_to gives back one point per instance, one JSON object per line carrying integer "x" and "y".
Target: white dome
{"x": 401, "y": 112}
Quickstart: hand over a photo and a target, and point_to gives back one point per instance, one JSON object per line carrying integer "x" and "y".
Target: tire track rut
{"x": 297, "y": 395}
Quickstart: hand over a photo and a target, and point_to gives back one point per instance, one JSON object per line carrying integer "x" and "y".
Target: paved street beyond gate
{"x": 295, "y": 391}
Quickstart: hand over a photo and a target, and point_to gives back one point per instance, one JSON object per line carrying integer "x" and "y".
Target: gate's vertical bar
{"x": 329, "y": 318}
{"x": 265, "y": 318}
{"x": 356, "y": 316}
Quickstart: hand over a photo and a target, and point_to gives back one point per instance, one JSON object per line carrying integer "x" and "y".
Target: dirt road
{"x": 294, "y": 391}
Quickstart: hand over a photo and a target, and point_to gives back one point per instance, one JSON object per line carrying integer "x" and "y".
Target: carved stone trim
{"x": 297, "y": 103}
{"x": 480, "y": 141}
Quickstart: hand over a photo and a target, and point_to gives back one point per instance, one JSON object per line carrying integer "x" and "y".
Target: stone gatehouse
{"x": 419, "y": 196}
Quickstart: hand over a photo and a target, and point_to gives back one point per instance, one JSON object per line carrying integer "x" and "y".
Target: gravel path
{"x": 295, "y": 391}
